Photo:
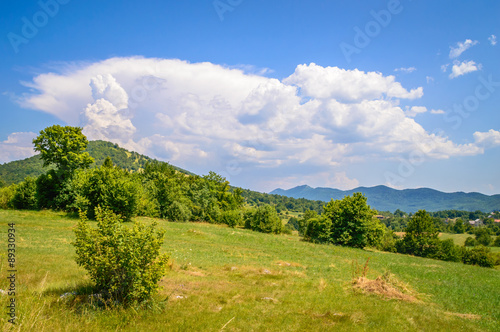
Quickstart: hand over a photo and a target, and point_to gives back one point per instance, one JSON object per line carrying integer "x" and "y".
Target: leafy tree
{"x": 470, "y": 242}
{"x": 421, "y": 237}
{"x": 319, "y": 230}
{"x": 483, "y": 236}
{"x": 496, "y": 243}
{"x": 178, "y": 212}
{"x": 232, "y": 218}
{"x": 6, "y": 196}
{"x": 111, "y": 188}
{"x": 63, "y": 147}
{"x": 293, "y": 224}
{"x": 124, "y": 263}
{"x": 459, "y": 227}
{"x": 264, "y": 219}
{"x": 375, "y": 232}
{"x": 479, "y": 255}
{"x": 399, "y": 213}
{"x": 308, "y": 215}
{"x": 350, "y": 217}
{"x": 447, "y": 250}
{"x": 108, "y": 163}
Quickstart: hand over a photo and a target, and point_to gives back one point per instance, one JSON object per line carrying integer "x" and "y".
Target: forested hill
{"x": 384, "y": 198}
{"x": 16, "y": 171}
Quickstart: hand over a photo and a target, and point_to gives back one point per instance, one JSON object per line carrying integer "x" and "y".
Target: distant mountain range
{"x": 383, "y": 198}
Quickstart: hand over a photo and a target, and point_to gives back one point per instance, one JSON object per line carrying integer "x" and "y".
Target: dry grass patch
{"x": 386, "y": 286}
{"x": 322, "y": 284}
{"x": 289, "y": 264}
{"x": 466, "y": 316}
{"x": 329, "y": 318}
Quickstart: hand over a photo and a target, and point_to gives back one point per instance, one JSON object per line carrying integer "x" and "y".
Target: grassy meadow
{"x": 224, "y": 279}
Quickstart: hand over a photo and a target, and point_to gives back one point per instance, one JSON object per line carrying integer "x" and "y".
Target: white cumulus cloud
{"x": 462, "y": 68}
{"x": 17, "y": 146}
{"x": 407, "y": 70}
{"x": 414, "y": 110}
{"x": 437, "y": 112}
{"x": 347, "y": 85}
{"x": 493, "y": 40}
{"x": 204, "y": 116}
{"x": 456, "y": 51}
{"x": 487, "y": 139}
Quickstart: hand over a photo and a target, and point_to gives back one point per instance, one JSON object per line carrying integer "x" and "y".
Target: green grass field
{"x": 238, "y": 280}
{"x": 459, "y": 239}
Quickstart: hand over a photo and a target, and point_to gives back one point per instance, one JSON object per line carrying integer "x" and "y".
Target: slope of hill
{"x": 234, "y": 279}
{"x": 17, "y": 171}
{"x": 384, "y": 198}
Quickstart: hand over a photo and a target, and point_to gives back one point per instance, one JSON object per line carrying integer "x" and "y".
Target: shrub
{"x": 124, "y": 263}
{"x": 483, "y": 236}
{"x": 479, "y": 255}
{"x": 375, "y": 232}
{"x": 448, "y": 251}
{"x": 48, "y": 187}
{"x": 6, "y": 196}
{"x": 388, "y": 241}
{"x": 25, "y": 195}
{"x": 178, "y": 212}
{"x": 318, "y": 230}
{"x": 496, "y": 243}
{"x": 293, "y": 224}
{"x": 470, "y": 242}
{"x": 264, "y": 219}
{"x": 305, "y": 220}
{"x": 232, "y": 218}
{"x": 111, "y": 188}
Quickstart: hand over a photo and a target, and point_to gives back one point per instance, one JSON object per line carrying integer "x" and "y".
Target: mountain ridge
{"x": 17, "y": 170}
{"x": 384, "y": 198}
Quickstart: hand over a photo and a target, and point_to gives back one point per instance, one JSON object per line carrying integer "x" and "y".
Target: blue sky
{"x": 267, "y": 93}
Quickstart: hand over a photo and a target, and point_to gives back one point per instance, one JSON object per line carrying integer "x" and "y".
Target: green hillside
{"x": 17, "y": 171}
{"x": 239, "y": 280}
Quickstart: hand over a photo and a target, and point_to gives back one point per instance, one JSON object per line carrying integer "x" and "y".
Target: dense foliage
{"x": 345, "y": 222}
{"x": 124, "y": 263}
{"x": 63, "y": 147}
{"x": 263, "y": 219}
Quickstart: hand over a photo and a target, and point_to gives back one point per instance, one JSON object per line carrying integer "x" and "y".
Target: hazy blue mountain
{"x": 384, "y": 198}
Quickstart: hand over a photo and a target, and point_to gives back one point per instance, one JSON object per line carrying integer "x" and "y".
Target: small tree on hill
{"x": 421, "y": 237}
{"x": 63, "y": 147}
{"x": 264, "y": 219}
{"x": 350, "y": 218}
{"x": 483, "y": 236}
